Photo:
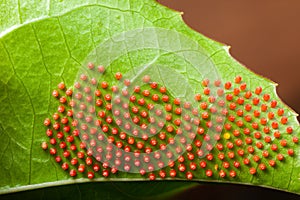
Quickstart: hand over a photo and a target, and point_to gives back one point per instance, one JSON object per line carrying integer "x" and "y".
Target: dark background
{"x": 264, "y": 36}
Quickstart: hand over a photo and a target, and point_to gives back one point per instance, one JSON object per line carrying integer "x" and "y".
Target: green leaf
{"x": 44, "y": 43}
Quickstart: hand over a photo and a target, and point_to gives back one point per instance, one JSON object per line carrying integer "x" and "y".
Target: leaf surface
{"x": 44, "y": 43}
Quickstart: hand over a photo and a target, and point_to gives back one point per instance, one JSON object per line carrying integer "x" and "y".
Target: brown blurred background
{"x": 264, "y": 36}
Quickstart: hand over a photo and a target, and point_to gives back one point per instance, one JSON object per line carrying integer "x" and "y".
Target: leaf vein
{"x": 31, "y": 103}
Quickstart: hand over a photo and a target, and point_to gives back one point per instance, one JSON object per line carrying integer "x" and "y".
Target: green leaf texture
{"x": 45, "y": 42}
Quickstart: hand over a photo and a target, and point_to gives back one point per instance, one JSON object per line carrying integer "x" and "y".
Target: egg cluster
{"x": 115, "y": 130}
